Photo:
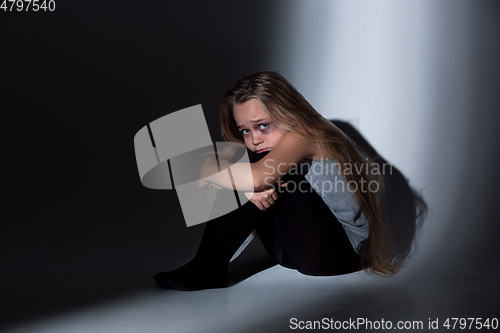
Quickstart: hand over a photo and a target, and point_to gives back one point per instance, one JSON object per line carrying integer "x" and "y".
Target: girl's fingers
{"x": 263, "y": 200}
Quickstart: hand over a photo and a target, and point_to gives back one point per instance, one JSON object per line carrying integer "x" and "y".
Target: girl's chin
{"x": 254, "y": 156}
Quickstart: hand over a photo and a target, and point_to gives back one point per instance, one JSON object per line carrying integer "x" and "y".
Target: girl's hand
{"x": 263, "y": 199}
{"x": 205, "y": 169}
{"x": 209, "y": 167}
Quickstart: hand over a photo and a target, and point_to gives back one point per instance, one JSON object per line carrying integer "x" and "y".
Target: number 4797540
{"x": 27, "y": 5}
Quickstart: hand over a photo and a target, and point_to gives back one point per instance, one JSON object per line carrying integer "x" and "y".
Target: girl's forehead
{"x": 248, "y": 111}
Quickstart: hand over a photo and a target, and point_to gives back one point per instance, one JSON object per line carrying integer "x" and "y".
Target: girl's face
{"x": 258, "y": 131}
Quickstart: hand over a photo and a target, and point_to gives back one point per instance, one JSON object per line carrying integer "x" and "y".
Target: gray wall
{"x": 420, "y": 80}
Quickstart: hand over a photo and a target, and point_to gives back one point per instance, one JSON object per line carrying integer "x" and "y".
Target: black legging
{"x": 298, "y": 230}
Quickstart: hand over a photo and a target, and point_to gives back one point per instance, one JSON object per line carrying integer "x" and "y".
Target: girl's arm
{"x": 288, "y": 153}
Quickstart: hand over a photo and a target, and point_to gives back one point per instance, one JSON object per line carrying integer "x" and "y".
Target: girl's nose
{"x": 256, "y": 140}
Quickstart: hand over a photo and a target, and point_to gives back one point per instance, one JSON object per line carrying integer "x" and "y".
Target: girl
{"x": 330, "y": 222}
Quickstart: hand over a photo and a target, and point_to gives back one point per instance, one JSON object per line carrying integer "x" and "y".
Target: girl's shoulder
{"x": 312, "y": 148}
{"x": 320, "y": 155}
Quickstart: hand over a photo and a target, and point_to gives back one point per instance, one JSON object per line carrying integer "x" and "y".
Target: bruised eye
{"x": 260, "y": 126}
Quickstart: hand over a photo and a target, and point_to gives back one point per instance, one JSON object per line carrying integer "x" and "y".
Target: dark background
{"x": 77, "y": 85}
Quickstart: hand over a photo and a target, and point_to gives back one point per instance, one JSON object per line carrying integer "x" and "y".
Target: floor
{"x": 119, "y": 296}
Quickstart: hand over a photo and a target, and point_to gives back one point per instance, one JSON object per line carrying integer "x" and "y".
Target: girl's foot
{"x": 188, "y": 279}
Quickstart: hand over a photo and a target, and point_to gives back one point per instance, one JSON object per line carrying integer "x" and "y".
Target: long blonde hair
{"x": 290, "y": 111}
